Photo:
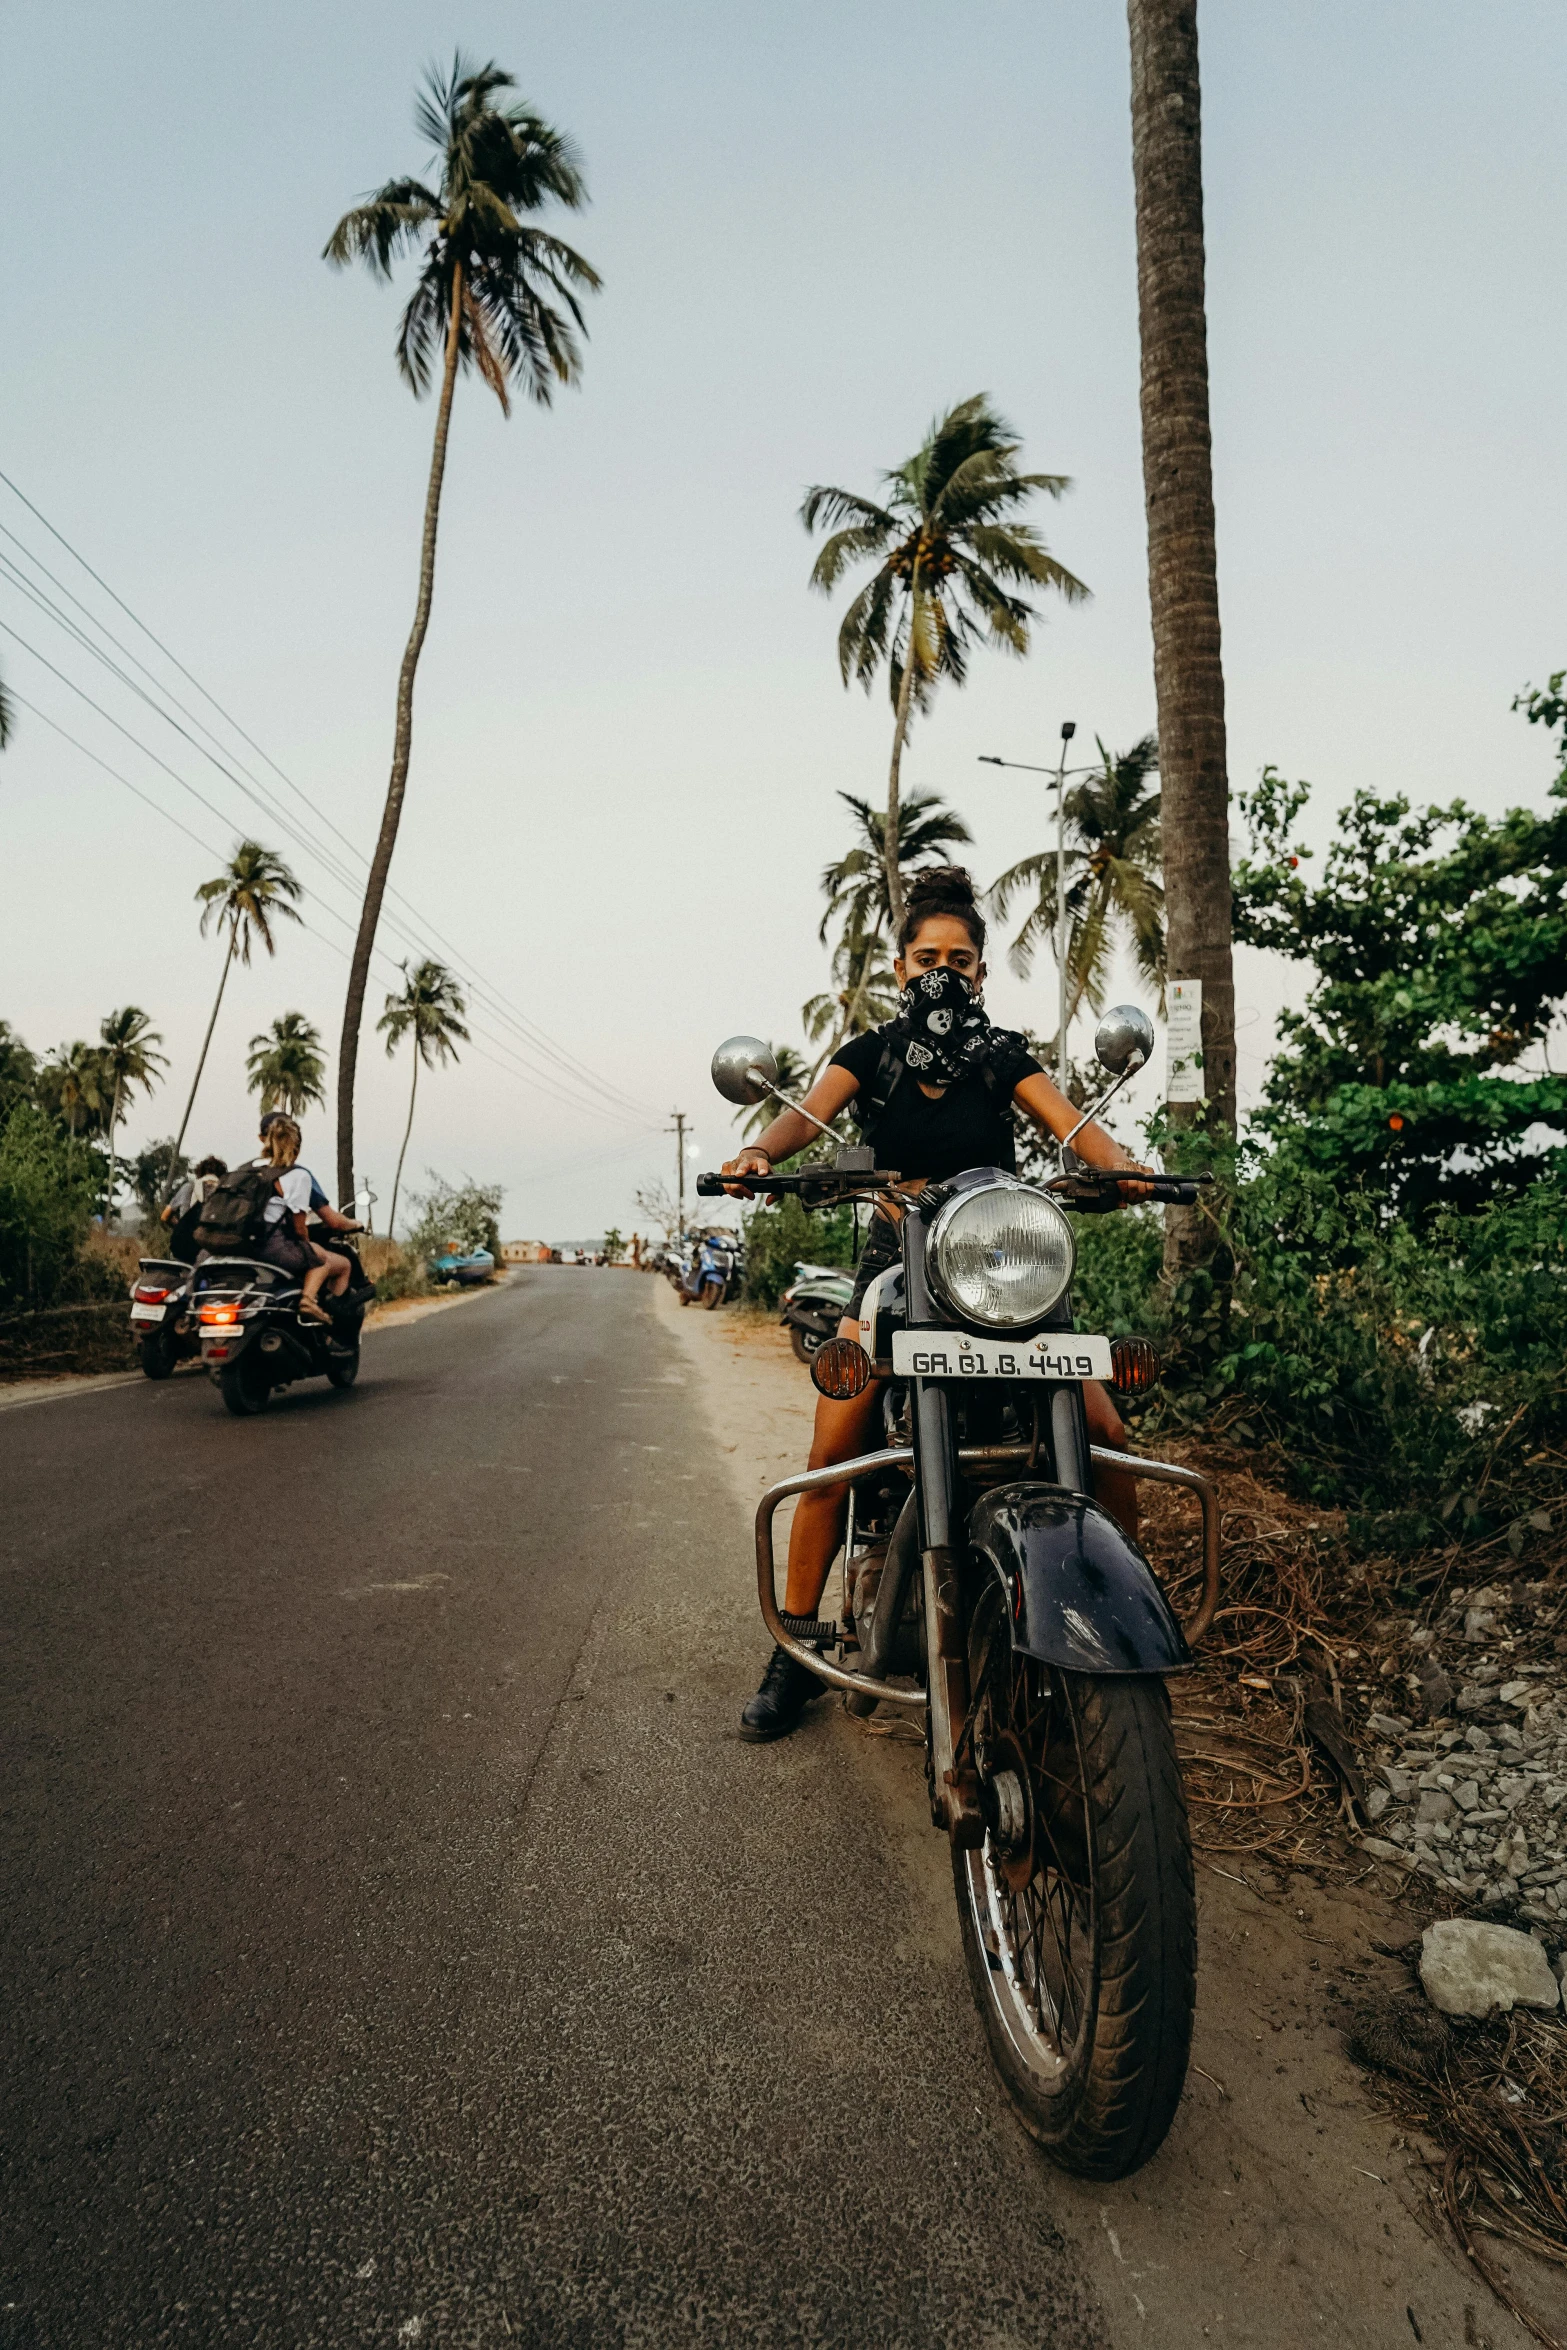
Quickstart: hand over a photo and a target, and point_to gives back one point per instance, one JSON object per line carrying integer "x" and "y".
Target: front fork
{"x": 954, "y": 1785}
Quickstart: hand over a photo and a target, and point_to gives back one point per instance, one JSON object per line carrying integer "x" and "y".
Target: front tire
{"x": 1080, "y": 1929}
{"x": 245, "y": 1387}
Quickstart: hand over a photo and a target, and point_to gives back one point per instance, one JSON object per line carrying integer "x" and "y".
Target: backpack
{"x": 232, "y": 1223}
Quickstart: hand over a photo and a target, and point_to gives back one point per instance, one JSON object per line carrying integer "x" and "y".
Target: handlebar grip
{"x": 712, "y": 1186}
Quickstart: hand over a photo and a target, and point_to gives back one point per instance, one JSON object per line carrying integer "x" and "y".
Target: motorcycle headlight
{"x": 1001, "y": 1255}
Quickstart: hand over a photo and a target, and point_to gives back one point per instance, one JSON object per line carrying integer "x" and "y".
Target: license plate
{"x": 147, "y": 1313}
{"x": 953, "y": 1354}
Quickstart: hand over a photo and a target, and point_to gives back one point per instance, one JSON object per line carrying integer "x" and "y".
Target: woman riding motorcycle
{"x": 933, "y": 1091}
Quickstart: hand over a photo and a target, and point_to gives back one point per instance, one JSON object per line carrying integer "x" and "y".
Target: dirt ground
{"x": 1288, "y": 2205}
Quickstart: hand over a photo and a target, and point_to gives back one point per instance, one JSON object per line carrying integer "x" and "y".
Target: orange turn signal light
{"x": 212, "y": 1314}
{"x": 1134, "y": 1366}
{"x": 841, "y": 1369}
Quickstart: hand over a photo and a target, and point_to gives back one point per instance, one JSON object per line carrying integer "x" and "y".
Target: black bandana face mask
{"x": 944, "y": 1030}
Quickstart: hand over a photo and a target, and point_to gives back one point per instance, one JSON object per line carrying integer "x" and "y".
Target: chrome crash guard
{"x": 783, "y": 1629}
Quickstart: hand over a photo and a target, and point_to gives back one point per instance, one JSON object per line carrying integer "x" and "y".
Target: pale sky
{"x": 817, "y": 226}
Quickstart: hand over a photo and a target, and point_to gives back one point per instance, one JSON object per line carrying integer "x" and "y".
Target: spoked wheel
{"x": 245, "y": 1386}
{"x": 1079, "y": 1912}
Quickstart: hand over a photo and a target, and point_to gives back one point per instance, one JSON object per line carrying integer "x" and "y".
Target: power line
{"x": 569, "y": 1064}
{"x": 547, "y": 1081}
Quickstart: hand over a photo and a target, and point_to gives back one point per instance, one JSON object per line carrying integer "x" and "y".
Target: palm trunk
{"x": 114, "y": 1120}
{"x": 899, "y": 737}
{"x": 1183, "y": 586}
{"x": 397, "y": 1179}
{"x": 402, "y": 743}
{"x": 223, "y": 981}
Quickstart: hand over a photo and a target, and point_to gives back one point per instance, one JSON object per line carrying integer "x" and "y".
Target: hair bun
{"x": 942, "y": 885}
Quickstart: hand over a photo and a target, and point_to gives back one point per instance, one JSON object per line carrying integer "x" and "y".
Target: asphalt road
{"x": 397, "y": 1943}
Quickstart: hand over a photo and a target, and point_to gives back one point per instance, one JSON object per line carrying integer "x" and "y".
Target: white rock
{"x": 1469, "y": 1968}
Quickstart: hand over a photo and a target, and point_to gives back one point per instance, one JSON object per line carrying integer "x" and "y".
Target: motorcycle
{"x": 988, "y": 1593}
{"x": 253, "y": 1338}
{"x": 163, "y": 1321}
{"x": 814, "y": 1306}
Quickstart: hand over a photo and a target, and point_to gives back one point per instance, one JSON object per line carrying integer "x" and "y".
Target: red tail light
{"x": 219, "y": 1313}
{"x": 148, "y": 1297}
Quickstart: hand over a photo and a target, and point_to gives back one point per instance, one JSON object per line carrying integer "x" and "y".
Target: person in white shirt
{"x": 287, "y": 1242}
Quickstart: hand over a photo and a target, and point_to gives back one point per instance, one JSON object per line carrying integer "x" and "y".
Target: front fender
{"x": 1081, "y": 1593}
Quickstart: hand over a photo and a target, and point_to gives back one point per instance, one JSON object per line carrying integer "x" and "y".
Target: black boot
{"x": 787, "y": 1689}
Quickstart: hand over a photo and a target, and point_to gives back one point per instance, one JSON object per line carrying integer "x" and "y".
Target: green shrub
{"x": 49, "y": 1188}
{"x": 776, "y": 1239}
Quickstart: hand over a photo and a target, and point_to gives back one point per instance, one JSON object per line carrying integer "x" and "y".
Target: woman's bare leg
{"x": 842, "y": 1431}
{"x": 1113, "y": 1487}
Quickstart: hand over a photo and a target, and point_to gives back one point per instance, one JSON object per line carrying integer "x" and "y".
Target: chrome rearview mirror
{"x": 745, "y": 1071}
{"x": 1123, "y": 1040}
{"x": 1123, "y": 1044}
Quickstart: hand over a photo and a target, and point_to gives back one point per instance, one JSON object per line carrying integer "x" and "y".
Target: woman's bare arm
{"x": 789, "y": 1132}
{"x": 1040, "y": 1099}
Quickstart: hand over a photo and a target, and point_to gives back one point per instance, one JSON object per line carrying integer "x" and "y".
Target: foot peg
{"x": 807, "y": 1628}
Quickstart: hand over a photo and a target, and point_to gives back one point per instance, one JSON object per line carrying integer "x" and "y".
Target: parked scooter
{"x": 707, "y": 1277}
{"x": 814, "y": 1306}
{"x": 163, "y": 1316}
{"x": 988, "y": 1593}
{"x": 253, "y": 1338}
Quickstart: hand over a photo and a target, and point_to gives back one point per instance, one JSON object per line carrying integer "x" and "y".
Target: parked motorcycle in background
{"x": 814, "y": 1305}
{"x": 986, "y": 1591}
{"x": 709, "y": 1273}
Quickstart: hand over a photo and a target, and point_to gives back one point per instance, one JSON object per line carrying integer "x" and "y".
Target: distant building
{"x": 525, "y": 1252}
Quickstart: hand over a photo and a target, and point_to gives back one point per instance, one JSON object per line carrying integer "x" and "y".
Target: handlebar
{"x": 1093, "y": 1185}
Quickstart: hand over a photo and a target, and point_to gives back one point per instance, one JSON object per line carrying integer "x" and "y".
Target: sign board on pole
{"x": 1183, "y": 1011}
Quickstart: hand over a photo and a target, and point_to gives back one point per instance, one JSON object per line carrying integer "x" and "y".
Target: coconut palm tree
{"x": 864, "y": 992}
{"x": 855, "y": 887}
{"x": 5, "y": 715}
{"x": 950, "y": 548}
{"x": 130, "y": 1058}
{"x": 1183, "y": 583}
{"x": 254, "y": 890}
{"x": 430, "y": 1010}
{"x": 75, "y": 1086}
{"x": 285, "y": 1065}
{"x": 496, "y": 293}
{"x": 1113, "y": 886}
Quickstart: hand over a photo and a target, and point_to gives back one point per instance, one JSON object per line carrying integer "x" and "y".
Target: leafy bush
{"x": 1408, "y": 1375}
{"x": 463, "y": 1216}
{"x": 776, "y": 1239}
{"x": 49, "y": 1187}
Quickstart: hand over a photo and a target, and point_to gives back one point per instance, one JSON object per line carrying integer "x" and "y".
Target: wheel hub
{"x": 1008, "y": 1801}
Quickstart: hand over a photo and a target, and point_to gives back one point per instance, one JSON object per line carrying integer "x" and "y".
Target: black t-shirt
{"x": 970, "y": 1126}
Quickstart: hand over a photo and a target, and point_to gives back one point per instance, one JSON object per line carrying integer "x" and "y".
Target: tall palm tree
{"x": 430, "y": 1010}
{"x": 864, "y": 992}
{"x": 500, "y": 295}
{"x": 285, "y": 1065}
{"x": 131, "y": 1059}
{"x": 950, "y": 548}
{"x": 1113, "y": 865}
{"x": 254, "y": 890}
{"x": 5, "y": 715}
{"x": 75, "y": 1084}
{"x": 1183, "y": 581}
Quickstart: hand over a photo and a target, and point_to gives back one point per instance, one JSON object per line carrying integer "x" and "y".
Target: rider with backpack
{"x": 260, "y": 1211}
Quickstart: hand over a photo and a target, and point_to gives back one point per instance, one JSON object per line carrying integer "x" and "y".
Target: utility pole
{"x": 678, "y": 1130}
{"x": 1068, "y": 729}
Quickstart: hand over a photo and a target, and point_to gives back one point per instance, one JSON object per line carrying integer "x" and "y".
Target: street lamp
{"x": 1068, "y": 729}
